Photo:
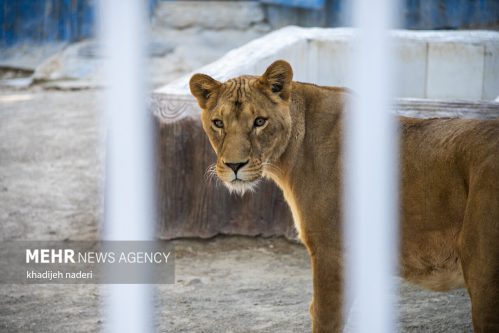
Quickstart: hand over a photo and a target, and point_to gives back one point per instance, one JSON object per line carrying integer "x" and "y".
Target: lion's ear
{"x": 278, "y": 78}
{"x": 202, "y": 87}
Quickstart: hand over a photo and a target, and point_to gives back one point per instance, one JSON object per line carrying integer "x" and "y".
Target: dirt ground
{"x": 50, "y": 176}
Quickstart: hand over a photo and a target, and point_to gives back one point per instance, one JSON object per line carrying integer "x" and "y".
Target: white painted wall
{"x": 429, "y": 64}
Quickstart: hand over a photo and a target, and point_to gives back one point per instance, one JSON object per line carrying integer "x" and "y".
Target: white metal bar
{"x": 371, "y": 173}
{"x": 129, "y": 172}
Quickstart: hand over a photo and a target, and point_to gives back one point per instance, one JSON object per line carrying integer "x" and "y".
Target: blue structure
{"x": 415, "y": 14}
{"x": 451, "y": 14}
{"x": 45, "y": 20}
{"x": 41, "y": 21}
{"x": 309, "y": 4}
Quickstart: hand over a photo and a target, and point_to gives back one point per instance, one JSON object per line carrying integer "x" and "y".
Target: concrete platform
{"x": 430, "y": 64}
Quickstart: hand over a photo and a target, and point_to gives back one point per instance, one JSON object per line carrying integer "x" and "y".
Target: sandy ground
{"x": 50, "y": 172}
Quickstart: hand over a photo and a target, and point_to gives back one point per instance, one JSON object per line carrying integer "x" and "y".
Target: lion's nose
{"x": 236, "y": 166}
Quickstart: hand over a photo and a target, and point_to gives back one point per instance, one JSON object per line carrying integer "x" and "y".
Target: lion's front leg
{"x": 326, "y": 306}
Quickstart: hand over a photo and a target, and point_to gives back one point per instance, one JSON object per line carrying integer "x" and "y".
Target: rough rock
{"x": 214, "y": 15}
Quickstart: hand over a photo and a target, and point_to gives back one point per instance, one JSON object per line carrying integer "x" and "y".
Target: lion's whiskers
{"x": 211, "y": 174}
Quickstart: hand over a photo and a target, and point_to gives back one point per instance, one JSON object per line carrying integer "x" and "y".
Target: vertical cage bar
{"x": 129, "y": 154}
{"x": 371, "y": 146}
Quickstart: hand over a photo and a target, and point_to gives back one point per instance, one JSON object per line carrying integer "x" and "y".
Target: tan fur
{"x": 449, "y": 184}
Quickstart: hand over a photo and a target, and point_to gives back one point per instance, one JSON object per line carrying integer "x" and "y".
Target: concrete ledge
{"x": 431, "y": 64}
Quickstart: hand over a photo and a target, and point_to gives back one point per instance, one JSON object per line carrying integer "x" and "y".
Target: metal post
{"x": 129, "y": 172}
{"x": 371, "y": 173}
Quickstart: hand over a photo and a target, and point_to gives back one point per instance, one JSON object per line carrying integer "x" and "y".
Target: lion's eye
{"x": 259, "y": 122}
{"x": 218, "y": 123}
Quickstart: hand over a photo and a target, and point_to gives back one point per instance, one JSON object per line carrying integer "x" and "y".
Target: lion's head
{"x": 248, "y": 122}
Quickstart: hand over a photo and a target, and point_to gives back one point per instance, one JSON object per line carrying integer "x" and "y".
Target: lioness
{"x": 291, "y": 132}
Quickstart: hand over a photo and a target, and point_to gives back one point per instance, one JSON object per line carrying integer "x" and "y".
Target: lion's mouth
{"x": 240, "y": 186}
